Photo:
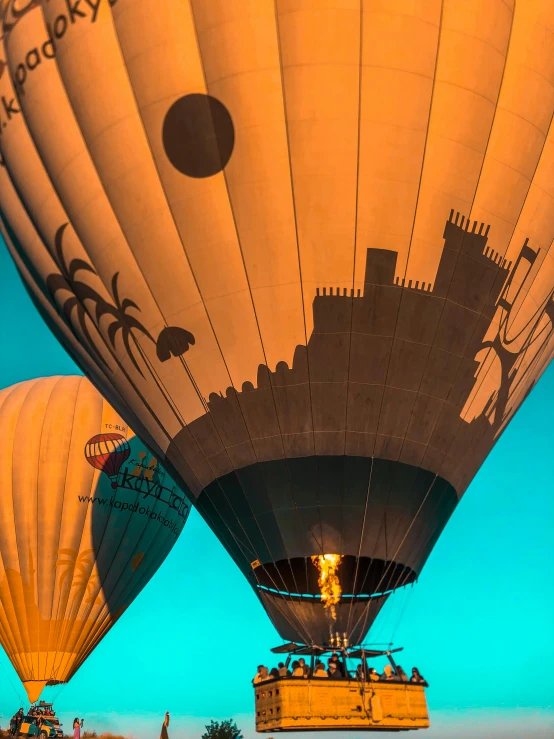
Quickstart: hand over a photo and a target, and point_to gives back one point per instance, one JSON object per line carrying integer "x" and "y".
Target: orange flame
{"x": 328, "y": 581}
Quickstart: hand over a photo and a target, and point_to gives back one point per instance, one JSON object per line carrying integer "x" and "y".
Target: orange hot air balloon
{"x": 304, "y": 248}
{"x": 79, "y": 539}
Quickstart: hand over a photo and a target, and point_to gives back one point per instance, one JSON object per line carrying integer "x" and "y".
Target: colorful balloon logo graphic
{"x": 107, "y": 453}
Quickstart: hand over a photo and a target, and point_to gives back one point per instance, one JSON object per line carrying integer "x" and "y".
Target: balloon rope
{"x": 377, "y": 538}
{"x": 348, "y": 631}
{"x": 386, "y": 615}
{"x": 407, "y": 598}
{"x": 354, "y": 261}
{"x": 420, "y": 539}
{"x": 419, "y": 542}
{"x": 399, "y": 547}
{"x": 21, "y": 701}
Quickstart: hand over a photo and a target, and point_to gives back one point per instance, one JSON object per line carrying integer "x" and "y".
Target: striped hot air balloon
{"x": 74, "y": 551}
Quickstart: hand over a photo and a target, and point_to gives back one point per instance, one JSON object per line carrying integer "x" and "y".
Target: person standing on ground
{"x": 164, "y": 734}
{"x": 77, "y": 725}
{"x": 19, "y": 720}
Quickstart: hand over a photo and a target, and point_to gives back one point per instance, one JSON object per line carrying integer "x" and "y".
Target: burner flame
{"x": 328, "y": 581}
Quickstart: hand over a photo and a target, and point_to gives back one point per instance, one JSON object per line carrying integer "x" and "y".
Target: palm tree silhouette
{"x": 172, "y": 340}
{"x": 75, "y": 575}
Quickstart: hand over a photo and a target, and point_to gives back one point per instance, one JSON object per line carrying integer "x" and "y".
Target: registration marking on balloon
{"x": 143, "y": 476}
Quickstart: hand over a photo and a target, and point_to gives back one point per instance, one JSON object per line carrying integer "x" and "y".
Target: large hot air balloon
{"x": 304, "y": 248}
{"x": 78, "y": 541}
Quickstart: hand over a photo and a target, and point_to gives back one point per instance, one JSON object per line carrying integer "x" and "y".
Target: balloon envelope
{"x": 304, "y": 248}
{"x": 76, "y": 546}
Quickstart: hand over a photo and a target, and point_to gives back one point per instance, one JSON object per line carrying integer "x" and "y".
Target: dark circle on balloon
{"x": 198, "y": 135}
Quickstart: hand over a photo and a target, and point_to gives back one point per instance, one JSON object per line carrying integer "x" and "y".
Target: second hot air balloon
{"x": 87, "y": 516}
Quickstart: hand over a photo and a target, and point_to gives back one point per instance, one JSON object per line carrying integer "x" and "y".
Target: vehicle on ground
{"x": 46, "y": 710}
{"x": 30, "y": 727}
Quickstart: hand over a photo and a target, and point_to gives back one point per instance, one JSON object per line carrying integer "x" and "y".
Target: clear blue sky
{"x": 479, "y": 624}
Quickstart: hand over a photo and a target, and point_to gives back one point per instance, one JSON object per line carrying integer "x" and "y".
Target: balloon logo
{"x": 107, "y": 453}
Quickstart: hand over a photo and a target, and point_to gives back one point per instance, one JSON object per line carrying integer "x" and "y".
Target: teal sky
{"x": 479, "y": 623}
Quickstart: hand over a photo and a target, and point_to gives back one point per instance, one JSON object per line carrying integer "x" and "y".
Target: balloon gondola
{"x": 344, "y": 702}
{"x": 304, "y": 249}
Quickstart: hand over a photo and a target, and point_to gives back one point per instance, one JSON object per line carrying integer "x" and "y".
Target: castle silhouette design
{"x": 366, "y": 424}
{"x": 386, "y": 371}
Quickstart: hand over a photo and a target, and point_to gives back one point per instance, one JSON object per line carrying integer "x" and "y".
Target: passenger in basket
{"x": 297, "y": 671}
{"x": 373, "y": 674}
{"x": 320, "y": 670}
{"x": 333, "y": 672}
{"x": 283, "y": 670}
{"x": 258, "y": 675}
{"x": 388, "y": 674}
{"x": 401, "y": 674}
{"x": 273, "y": 673}
{"x": 261, "y": 675}
{"x": 338, "y": 664}
{"x": 417, "y": 677}
{"x": 304, "y": 666}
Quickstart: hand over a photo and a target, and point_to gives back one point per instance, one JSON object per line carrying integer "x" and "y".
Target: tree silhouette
{"x": 222, "y": 730}
{"x": 172, "y": 340}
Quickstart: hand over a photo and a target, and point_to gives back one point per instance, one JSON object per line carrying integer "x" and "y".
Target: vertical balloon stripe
{"x": 520, "y": 118}
{"x": 250, "y": 85}
{"x": 399, "y": 53}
